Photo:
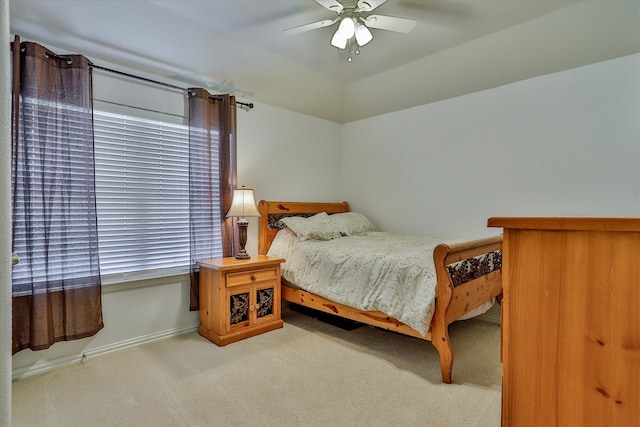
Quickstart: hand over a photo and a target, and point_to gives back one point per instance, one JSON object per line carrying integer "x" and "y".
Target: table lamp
{"x": 243, "y": 205}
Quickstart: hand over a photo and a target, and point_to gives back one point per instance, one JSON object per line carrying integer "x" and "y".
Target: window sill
{"x": 144, "y": 283}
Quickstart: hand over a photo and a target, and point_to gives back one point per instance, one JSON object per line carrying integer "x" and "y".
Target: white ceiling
{"x": 457, "y": 47}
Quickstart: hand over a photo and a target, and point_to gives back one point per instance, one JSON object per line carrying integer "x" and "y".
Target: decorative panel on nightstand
{"x": 239, "y": 298}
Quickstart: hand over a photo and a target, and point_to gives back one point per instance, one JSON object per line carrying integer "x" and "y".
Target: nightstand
{"x": 239, "y": 298}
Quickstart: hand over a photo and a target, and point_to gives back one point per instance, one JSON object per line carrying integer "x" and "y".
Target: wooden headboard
{"x": 270, "y": 210}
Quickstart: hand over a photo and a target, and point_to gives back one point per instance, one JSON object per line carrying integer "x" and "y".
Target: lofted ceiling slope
{"x": 457, "y": 47}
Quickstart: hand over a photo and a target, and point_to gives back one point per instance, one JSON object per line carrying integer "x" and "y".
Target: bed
{"x": 459, "y": 278}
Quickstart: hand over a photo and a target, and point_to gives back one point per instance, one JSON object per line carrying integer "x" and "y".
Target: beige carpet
{"x": 307, "y": 374}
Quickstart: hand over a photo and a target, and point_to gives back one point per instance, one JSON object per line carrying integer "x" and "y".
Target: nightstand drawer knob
{"x": 253, "y": 278}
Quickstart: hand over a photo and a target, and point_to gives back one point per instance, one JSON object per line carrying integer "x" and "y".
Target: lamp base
{"x": 242, "y": 232}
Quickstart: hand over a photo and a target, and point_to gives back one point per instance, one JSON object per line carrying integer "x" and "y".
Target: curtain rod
{"x": 244, "y": 105}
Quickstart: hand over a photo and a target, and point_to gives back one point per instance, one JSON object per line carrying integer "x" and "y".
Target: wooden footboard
{"x": 451, "y": 301}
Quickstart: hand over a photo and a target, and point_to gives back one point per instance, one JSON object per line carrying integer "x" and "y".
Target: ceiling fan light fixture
{"x": 338, "y": 40}
{"x": 347, "y": 27}
{"x": 363, "y": 35}
{"x": 345, "y": 31}
{"x": 354, "y": 29}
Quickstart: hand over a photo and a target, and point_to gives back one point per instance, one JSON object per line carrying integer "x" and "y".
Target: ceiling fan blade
{"x": 390, "y": 23}
{"x": 309, "y": 27}
{"x": 369, "y": 5}
{"x": 331, "y": 5}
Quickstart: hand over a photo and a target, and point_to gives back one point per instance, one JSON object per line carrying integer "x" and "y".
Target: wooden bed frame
{"x": 451, "y": 302}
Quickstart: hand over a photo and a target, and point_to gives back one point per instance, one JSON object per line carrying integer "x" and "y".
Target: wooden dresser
{"x": 239, "y": 298}
{"x": 570, "y": 321}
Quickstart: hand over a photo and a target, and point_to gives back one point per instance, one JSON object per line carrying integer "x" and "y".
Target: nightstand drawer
{"x": 253, "y": 276}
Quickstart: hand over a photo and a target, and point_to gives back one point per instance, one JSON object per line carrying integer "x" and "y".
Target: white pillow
{"x": 317, "y": 227}
{"x": 352, "y": 223}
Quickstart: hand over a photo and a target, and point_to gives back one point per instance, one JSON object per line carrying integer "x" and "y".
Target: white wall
{"x": 287, "y": 156}
{"x": 561, "y": 144}
{"x": 5, "y": 219}
{"x": 281, "y": 154}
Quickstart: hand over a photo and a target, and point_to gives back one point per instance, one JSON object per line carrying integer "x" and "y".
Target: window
{"x": 52, "y": 211}
{"x": 142, "y": 193}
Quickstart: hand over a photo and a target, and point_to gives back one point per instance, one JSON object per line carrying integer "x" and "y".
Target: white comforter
{"x": 391, "y": 273}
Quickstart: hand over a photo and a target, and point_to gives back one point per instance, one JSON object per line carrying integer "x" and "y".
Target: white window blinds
{"x": 142, "y": 192}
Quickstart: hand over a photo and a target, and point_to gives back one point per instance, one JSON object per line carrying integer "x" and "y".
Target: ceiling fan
{"x": 355, "y": 23}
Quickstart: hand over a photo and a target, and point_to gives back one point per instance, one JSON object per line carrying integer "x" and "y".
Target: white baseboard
{"x": 71, "y": 359}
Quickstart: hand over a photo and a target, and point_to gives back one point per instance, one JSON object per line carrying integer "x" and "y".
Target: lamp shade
{"x": 243, "y": 203}
{"x": 338, "y": 40}
{"x": 347, "y": 27}
{"x": 363, "y": 35}
{"x": 345, "y": 31}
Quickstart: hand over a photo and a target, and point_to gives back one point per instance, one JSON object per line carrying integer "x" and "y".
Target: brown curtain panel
{"x": 212, "y": 178}
{"x": 56, "y": 285}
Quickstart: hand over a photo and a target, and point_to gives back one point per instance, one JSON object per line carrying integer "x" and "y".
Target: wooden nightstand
{"x": 239, "y": 298}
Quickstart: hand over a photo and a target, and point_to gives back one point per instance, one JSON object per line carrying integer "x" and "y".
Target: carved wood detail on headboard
{"x": 266, "y": 234}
